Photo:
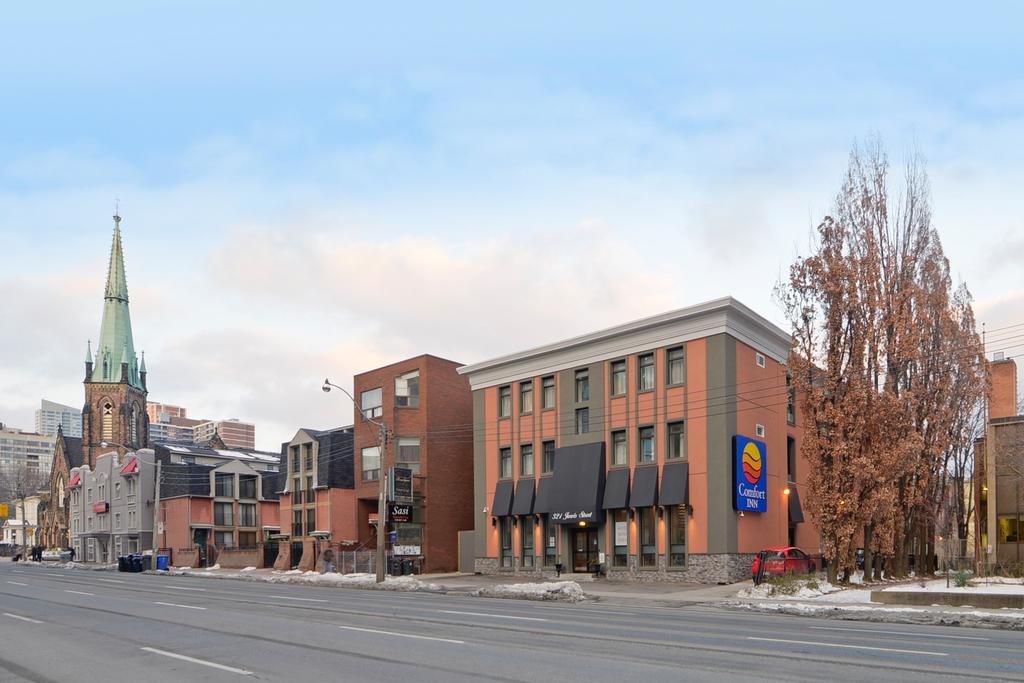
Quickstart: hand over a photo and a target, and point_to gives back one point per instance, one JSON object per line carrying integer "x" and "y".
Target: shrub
{"x": 961, "y": 578}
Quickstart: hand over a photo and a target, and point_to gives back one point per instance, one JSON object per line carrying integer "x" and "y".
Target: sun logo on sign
{"x": 752, "y": 462}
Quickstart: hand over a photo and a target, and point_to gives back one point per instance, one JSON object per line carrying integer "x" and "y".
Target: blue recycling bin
{"x": 163, "y": 562}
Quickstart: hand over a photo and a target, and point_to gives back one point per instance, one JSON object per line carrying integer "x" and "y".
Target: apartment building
{"x": 50, "y": 416}
{"x": 664, "y": 449}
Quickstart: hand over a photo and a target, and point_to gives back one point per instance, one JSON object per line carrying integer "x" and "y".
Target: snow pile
{"x": 568, "y": 591}
{"x": 996, "y": 585}
{"x": 1007, "y": 619}
{"x": 216, "y": 566}
{"x": 248, "y": 569}
{"x": 311, "y": 578}
{"x": 72, "y": 565}
{"x": 800, "y": 589}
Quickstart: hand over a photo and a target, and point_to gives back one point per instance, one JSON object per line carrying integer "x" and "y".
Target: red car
{"x": 779, "y": 561}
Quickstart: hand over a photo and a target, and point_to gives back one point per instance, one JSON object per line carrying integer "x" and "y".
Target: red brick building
{"x": 427, "y": 409}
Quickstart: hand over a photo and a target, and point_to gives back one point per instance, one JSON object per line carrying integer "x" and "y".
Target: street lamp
{"x": 382, "y": 447}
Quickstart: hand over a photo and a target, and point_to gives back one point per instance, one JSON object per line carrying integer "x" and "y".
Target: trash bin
{"x": 163, "y": 562}
{"x": 122, "y": 564}
{"x": 146, "y": 562}
{"x": 406, "y": 567}
{"x": 136, "y": 561}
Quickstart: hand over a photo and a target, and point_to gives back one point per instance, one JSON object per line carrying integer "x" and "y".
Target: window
{"x": 131, "y": 519}
{"x": 506, "y": 542}
{"x": 89, "y": 523}
{"x": 620, "y": 449}
{"x": 247, "y": 540}
{"x": 505, "y": 463}
{"x": 526, "y": 460}
{"x": 88, "y": 495}
{"x": 620, "y": 541}
{"x": 247, "y": 514}
{"x": 504, "y": 401}
{"x": 646, "y": 444}
{"x": 130, "y": 490}
{"x": 645, "y": 375}
{"x": 790, "y": 400}
{"x": 117, "y": 490}
{"x": 117, "y": 520}
{"x": 307, "y": 449}
{"x": 223, "y": 514}
{"x": 296, "y": 490}
{"x": 548, "y": 392}
{"x": 618, "y": 377}
{"x": 582, "y": 386}
{"x": 188, "y": 459}
{"x": 310, "y": 520}
{"x": 759, "y": 429}
{"x": 224, "y": 539}
{"x": 550, "y": 536}
{"x": 246, "y": 486}
{"x": 677, "y": 536}
{"x": 526, "y": 397}
{"x": 371, "y": 402}
{"x": 371, "y": 463}
{"x": 407, "y": 390}
{"x": 309, "y": 490}
{"x": 676, "y": 441}
{"x": 108, "y": 421}
{"x": 759, "y": 359}
{"x": 133, "y": 545}
{"x": 676, "y": 366}
{"x": 582, "y": 420}
{"x": 296, "y": 522}
{"x": 1009, "y": 530}
{"x": 547, "y": 464}
{"x": 133, "y": 426}
{"x": 102, "y": 492}
{"x": 90, "y": 550}
{"x": 225, "y": 485}
{"x": 409, "y": 453}
{"x": 526, "y": 535}
{"x": 791, "y": 458}
{"x": 648, "y": 539}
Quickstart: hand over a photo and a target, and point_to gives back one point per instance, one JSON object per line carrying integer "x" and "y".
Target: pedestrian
{"x": 72, "y": 549}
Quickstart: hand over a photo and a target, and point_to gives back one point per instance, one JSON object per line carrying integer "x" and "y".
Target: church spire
{"x": 115, "y": 343}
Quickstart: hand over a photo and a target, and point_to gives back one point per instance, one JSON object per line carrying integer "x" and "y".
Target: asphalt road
{"x": 65, "y": 625}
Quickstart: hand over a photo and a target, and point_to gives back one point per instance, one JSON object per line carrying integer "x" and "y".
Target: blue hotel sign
{"x": 750, "y": 475}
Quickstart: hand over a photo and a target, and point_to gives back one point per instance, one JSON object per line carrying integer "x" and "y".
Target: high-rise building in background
{"x": 18, "y": 447}
{"x": 52, "y": 415}
{"x": 171, "y": 424}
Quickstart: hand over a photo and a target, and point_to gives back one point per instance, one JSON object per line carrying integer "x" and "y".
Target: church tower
{"x": 115, "y": 381}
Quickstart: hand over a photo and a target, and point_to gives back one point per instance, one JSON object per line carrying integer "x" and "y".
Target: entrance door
{"x": 584, "y": 550}
{"x": 199, "y": 539}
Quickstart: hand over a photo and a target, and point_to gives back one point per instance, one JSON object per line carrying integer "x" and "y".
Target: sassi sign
{"x": 750, "y": 475}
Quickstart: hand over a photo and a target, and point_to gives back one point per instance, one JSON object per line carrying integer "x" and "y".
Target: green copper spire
{"x": 115, "y": 343}
{"x": 88, "y": 351}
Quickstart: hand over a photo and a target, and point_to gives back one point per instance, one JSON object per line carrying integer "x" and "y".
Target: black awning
{"x": 796, "y": 513}
{"x": 645, "y": 487}
{"x": 502, "y": 506}
{"x": 675, "y": 484}
{"x": 522, "y": 504}
{"x": 542, "y": 503}
{"x": 616, "y": 490}
{"x": 577, "y": 486}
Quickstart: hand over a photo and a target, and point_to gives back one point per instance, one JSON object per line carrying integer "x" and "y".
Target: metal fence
{"x": 354, "y": 562}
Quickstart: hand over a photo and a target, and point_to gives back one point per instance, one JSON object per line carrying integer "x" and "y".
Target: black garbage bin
{"x": 406, "y": 567}
{"x": 136, "y": 561}
{"x": 122, "y": 564}
{"x": 147, "y": 562}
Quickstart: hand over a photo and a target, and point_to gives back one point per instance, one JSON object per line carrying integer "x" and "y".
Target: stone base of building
{"x": 700, "y": 568}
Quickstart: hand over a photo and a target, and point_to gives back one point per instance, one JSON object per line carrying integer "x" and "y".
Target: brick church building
{"x": 114, "y": 412}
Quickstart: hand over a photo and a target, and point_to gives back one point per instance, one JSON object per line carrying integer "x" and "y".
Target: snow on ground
{"x": 804, "y": 589}
{"x": 296, "y": 576}
{"x": 249, "y": 569}
{"x": 1002, "y": 586}
{"x": 568, "y": 591}
{"x": 1004, "y": 618}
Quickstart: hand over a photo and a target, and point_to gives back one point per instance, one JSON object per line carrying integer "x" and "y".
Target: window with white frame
{"x": 409, "y": 453}
{"x": 371, "y": 463}
{"x": 407, "y": 390}
{"x": 371, "y": 402}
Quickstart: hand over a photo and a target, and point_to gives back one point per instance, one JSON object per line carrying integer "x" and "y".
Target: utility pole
{"x": 382, "y": 503}
{"x": 156, "y": 514}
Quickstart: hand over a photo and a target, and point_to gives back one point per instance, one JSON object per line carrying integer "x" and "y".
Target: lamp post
{"x": 382, "y": 447}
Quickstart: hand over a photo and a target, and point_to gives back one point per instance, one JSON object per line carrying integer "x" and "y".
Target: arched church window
{"x": 134, "y": 425}
{"x": 108, "y": 421}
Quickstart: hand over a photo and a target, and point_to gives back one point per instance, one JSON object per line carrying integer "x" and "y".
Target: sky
{"x": 314, "y": 189}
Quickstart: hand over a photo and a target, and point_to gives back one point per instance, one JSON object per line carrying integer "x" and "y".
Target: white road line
{"x": 18, "y": 616}
{"x": 110, "y": 580}
{"x": 850, "y": 647}
{"x": 18, "y": 571}
{"x": 896, "y": 633}
{"x": 203, "y": 662}
{"x": 402, "y": 635}
{"x": 288, "y": 597}
{"x": 78, "y": 592}
{"x": 484, "y": 614}
{"x": 180, "y": 588}
{"x": 17, "y": 583}
{"x": 171, "y": 604}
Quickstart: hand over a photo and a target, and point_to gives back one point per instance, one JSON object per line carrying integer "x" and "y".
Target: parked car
{"x": 780, "y": 561}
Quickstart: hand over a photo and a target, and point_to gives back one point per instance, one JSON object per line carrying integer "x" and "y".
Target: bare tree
{"x": 18, "y": 482}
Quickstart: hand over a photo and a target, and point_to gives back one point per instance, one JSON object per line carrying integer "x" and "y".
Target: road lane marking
{"x": 16, "y": 583}
{"x": 402, "y": 635}
{"x": 110, "y": 580}
{"x": 79, "y": 592}
{"x": 171, "y": 604}
{"x": 484, "y": 614}
{"x": 18, "y": 616}
{"x": 180, "y": 588}
{"x": 850, "y": 647}
{"x": 203, "y": 662}
{"x": 896, "y": 633}
{"x": 288, "y": 597}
